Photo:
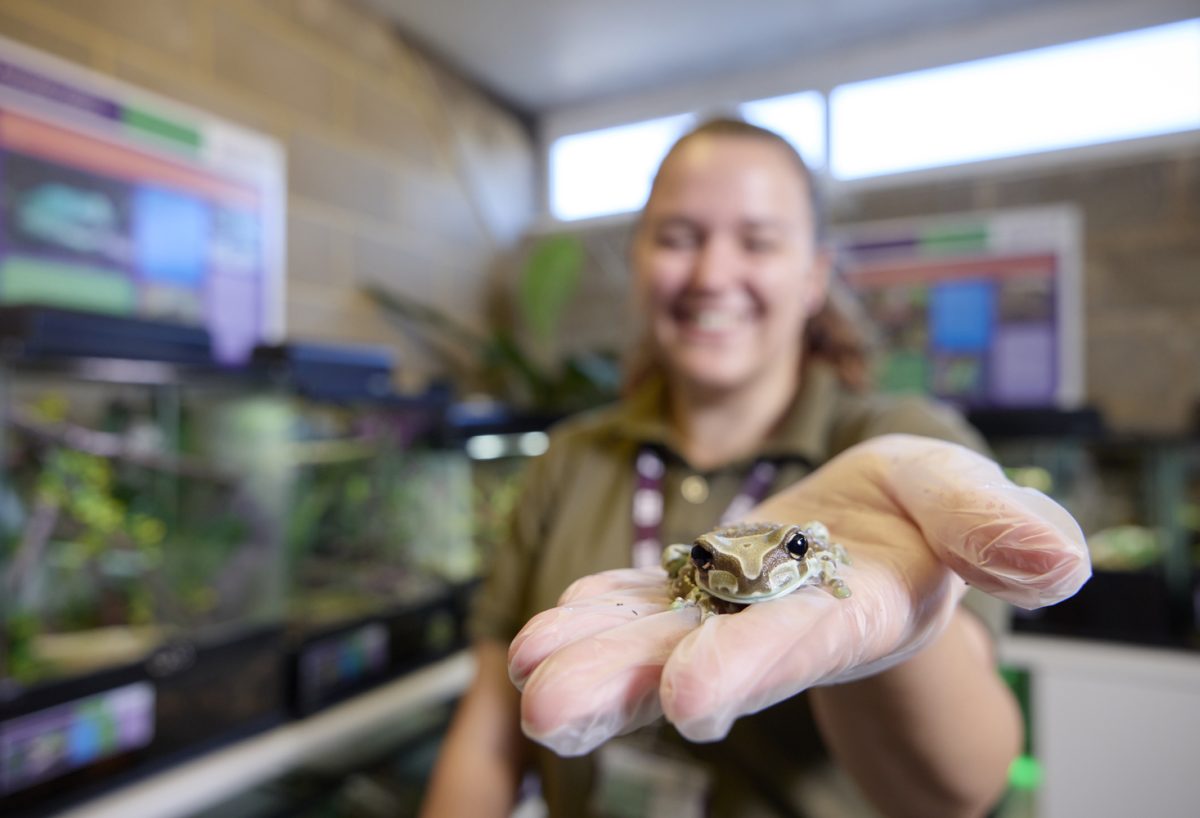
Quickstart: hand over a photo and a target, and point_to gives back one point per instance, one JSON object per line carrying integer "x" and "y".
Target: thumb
{"x": 1012, "y": 542}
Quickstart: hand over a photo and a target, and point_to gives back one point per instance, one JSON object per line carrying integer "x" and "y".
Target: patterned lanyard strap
{"x": 648, "y": 502}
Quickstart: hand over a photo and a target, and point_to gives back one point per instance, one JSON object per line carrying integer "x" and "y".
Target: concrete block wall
{"x": 399, "y": 172}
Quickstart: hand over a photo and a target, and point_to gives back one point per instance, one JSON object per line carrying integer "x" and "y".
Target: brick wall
{"x": 398, "y": 171}
{"x": 1141, "y": 273}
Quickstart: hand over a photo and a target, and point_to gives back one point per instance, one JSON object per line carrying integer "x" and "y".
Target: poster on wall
{"x": 116, "y": 200}
{"x": 982, "y": 309}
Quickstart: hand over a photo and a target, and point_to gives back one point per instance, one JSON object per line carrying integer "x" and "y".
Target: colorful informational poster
{"x": 116, "y": 200}
{"x": 979, "y": 309}
{"x": 336, "y": 662}
{"x": 48, "y": 743}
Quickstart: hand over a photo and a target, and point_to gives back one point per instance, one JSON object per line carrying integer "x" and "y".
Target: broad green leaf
{"x": 549, "y": 281}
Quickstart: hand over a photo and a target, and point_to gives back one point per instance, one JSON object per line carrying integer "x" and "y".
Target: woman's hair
{"x": 839, "y": 332}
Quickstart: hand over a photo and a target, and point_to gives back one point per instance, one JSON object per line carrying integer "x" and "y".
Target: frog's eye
{"x": 797, "y": 545}
{"x": 702, "y": 557}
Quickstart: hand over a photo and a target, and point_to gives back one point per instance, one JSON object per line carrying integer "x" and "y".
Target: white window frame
{"x": 827, "y": 75}
{"x": 1082, "y": 94}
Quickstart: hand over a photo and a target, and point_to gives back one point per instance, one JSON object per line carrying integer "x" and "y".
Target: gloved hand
{"x": 920, "y": 519}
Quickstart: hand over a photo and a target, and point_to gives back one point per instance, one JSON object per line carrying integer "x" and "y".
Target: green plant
{"x": 495, "y": 360}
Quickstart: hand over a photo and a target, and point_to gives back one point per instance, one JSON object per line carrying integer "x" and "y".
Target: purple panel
{"x": 1023, "y": 365}
{"x": 35, "y": 84}
{"x": 233, "y": 315}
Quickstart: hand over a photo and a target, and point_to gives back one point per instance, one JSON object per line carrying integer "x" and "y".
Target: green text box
{"x": 25, "y": 280}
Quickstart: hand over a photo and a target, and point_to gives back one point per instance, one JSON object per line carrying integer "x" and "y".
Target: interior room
{"x": 339, "y": 338}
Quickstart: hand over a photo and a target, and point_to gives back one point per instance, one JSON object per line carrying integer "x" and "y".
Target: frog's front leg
{"x": 675, "y": 557}
{"x": 828, "y": 567}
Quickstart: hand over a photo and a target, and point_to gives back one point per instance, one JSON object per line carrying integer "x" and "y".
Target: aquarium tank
{"x": 1137, "y": 501}
{"x": 500, "y": 443}
{"x": 140, "y": 554}
{"x": 379, "y": 539}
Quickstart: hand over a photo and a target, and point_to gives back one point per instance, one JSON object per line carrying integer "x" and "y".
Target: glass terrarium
{"x": 500, "y": 445}
{"x": 140, "y": 556}
{"x": 1136, "y": 501}
{"x": 379, "y": 536}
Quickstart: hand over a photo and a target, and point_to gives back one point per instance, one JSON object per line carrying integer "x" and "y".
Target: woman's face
{"x": 725, "y": 263}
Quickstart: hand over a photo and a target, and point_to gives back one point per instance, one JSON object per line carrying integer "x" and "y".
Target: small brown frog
{"x": 736, "y": 565}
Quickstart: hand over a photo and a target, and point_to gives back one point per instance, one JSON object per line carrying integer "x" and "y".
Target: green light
{"x": 1025, "y": 773}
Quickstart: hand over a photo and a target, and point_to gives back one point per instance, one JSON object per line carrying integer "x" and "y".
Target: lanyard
{"x": 648, "y": 502}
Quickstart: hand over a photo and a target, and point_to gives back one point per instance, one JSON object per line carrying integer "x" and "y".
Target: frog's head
{"x": 752, "y": 562}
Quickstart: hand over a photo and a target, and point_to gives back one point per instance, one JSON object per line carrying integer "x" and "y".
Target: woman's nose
{"x": 715, "y": 265}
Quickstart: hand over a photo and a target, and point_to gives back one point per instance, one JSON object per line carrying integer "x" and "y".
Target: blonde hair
{"x": 838, "y": 333}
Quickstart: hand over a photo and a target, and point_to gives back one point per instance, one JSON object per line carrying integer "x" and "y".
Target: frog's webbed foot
{"x": 838, "y": 587}
{"x": 828, "y": 570}
{"x": 840, "y": 553}
{"x": 708, "y": 604}
{"x": 674, "y": 557}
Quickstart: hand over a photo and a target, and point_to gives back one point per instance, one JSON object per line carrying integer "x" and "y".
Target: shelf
{"x": 208, "y": 780}
{"x": 1088, "y": 657}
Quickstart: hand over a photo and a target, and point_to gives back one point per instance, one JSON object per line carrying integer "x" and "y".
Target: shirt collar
{"x": 802, "y": 433}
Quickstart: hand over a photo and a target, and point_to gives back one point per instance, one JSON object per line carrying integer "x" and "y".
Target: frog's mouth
{"x": 745, "y": 599}
{"x": 782, "y": 580}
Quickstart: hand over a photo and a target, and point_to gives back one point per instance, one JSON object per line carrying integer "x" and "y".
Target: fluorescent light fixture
{"x": 531, "y": 444}
{"x": 485, "y": 447}
{"x": 492, "y": 447}
{"x": 598, "y": 173}
{"x": 1124, "y": 86}
{"x": 799, "y": 118}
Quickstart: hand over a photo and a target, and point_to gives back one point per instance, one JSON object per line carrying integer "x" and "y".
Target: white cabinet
{"x": 1116, "y": 728}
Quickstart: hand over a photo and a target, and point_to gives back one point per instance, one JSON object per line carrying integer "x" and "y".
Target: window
{"x": 598, "y": 173}
{"x": 609, "y": 171}
{"x": 798, "y": 117}
{"x": 1124, "y": 86}
{"x": 1136, "y": 84}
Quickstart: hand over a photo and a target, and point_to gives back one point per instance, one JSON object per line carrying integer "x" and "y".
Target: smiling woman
{"x": 737, "y": 392}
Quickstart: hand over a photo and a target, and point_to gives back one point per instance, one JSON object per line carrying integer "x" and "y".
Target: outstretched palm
{"x": 920, "y": 518}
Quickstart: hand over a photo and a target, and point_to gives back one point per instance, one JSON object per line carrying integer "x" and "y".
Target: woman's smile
{"x": 713, "y": 321}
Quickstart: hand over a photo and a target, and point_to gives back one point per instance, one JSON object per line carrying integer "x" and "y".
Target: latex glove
{"x": 920, "y": 518}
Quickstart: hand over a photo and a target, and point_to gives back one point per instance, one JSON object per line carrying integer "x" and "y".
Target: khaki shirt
{"x": 575, "y": 519}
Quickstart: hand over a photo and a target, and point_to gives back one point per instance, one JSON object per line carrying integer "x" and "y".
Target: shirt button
{"x": 694, "y": 489}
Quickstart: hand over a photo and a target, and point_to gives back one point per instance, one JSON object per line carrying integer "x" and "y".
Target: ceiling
{"x": 539, "y": 55}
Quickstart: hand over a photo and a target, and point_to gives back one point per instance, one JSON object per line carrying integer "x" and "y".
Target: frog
{"x": 741, "y": 564}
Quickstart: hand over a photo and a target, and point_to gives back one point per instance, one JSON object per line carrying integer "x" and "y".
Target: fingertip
{"x": 713, "y": 674}
{"x": 1052, "y": 513}
{"x": 595, "y": 688}
{"x": 555, "y": 714}
{"x": 704, "y": 730}
{"x": 1032, "y": 567}
{"x": 693, "y": 709}
{"x": 528, "y": 648}
{"x": 1059, "y": 582}
{"x": 1010, "y": 541}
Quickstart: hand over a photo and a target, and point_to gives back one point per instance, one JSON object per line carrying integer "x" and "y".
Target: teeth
{"x": 712, "y": 320}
